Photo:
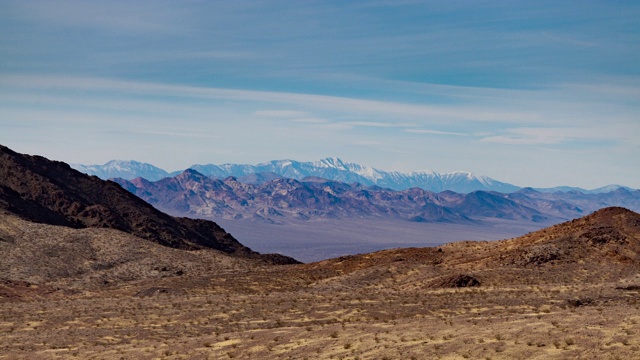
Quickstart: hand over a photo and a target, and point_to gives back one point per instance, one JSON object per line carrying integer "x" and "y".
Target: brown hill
{"x": 608, "y": 236}
{"x": 42, "y": 258}
{"x": 50, "y": 192}
{"x": 603, "y": 246}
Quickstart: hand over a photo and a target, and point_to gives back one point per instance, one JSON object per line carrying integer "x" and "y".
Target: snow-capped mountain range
{"x": 328, "y": 168}
{"x": 338, "y": 170}
{"x": 123, "y": 169}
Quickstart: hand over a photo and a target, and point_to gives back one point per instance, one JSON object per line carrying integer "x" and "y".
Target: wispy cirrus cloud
{"x": 113, "y": 16}
{"x": 373, "y": 124}
{"x": 434, "y": 132}
{"x": 541, "y": 136}
{"x": 175, "y": 133}
{"x": 311, "y": 120}
{"x": 435, "y": 113}
{"x": 280, "y": 113}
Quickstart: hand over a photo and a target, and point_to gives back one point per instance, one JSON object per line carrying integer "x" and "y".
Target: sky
{"x": 533, "y": 93}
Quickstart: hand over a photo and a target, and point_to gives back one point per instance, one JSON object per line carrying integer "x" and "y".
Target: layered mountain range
{"x": 329, "y": 168}
{"x": 193, "y": 194}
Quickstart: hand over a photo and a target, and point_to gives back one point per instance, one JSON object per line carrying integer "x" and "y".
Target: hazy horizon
{"x": 537, "y": 94}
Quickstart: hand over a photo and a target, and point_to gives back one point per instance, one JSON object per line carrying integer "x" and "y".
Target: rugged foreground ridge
{"x": 50, "y": 192}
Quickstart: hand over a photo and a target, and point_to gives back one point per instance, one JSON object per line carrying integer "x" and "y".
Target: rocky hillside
{"x": 603, "y": 246}
{"x": 52, "y": 257}
{"x": 50, "y": 192}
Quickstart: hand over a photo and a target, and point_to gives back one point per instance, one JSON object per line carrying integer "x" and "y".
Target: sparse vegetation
{"x": 569, "y": 291}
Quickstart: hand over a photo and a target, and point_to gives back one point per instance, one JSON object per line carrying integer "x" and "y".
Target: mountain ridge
{"x": 331, "y": 168}
{"x": 123, "y": 169}
{"x": 336, "y": 169}
{"x": 328, "y": 168}
{"x": 194, "y": 194}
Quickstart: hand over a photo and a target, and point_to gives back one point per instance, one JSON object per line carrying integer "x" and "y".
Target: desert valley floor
{"x": 315, "y": 240}
{"x": 549, "y": 295}
{"x": 233, "y": 317}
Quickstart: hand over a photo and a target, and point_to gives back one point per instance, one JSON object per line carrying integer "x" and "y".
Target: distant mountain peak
{"x": 333, "y": 162}
{"x": 191, "y": 174}
{"x": 125, "y": 169}
{"x": 124, "y": 162}
{"x": 191, "y": 171}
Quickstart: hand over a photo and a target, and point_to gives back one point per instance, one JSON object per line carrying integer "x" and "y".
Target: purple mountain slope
{"x": 194, "y": 194}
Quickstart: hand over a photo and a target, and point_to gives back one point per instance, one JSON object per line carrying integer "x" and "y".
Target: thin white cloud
{"x": 311, "y": 121}
{"x": 515, "y": 140}
{"x": 329, "y": 103}
{"x": 434, "y": 132}
{"x": 125, "y": 58}
{"x": 113, "y": 16}
{"x": 369, "y": 124}
{"x": 279, "y": 113}
{"x": 216, "y": 54}
{"x": 169, "y": 134}
{"x": 537, "y": 136}
{"x": 367, "y": 143}
{"x": 568, "y": 40}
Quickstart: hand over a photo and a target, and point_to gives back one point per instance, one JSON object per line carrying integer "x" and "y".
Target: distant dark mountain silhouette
{"x": 495, "y": 205}
{"x": 50, "y": 192}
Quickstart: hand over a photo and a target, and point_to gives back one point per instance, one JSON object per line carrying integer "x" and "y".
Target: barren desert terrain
{"x": 569, "y": 291}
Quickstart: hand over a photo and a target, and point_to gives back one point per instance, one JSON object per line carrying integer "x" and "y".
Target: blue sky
{"x": 535, "y": 93}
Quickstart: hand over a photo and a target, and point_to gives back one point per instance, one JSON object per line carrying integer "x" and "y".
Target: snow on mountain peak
{"x": 127, "y": 169}
{"x": 331, "y": 168}
{"x": 331, "y": 162}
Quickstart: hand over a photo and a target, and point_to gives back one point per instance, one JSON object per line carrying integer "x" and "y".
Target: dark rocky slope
{"x": 51, "y": 192}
